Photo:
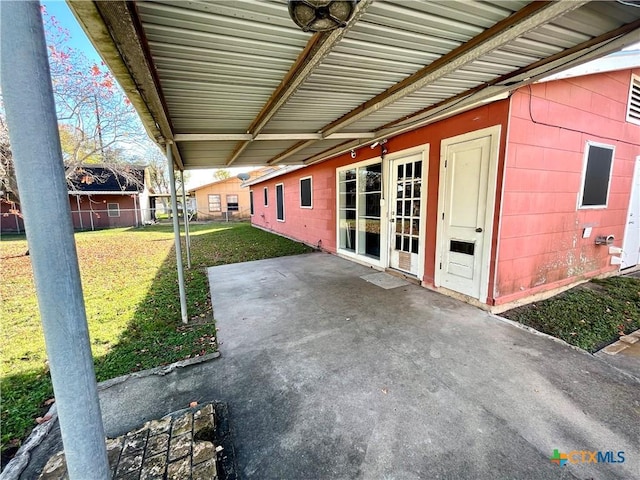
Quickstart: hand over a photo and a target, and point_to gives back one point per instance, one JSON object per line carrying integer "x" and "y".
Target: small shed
{"x": 101, "y": 197}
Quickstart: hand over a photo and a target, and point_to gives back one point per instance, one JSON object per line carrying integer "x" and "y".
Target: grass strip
{"x": 589, "y": 316}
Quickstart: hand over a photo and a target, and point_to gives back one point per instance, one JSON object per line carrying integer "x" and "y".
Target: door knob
{"x": 479, "y": 230}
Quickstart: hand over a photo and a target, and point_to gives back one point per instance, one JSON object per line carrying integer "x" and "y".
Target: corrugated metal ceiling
{"x": 238, "y": 67}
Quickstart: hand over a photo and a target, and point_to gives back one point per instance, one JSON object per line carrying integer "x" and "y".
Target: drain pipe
{"x": 176, "y": 233}
{"x": 33, "y": 128}
{"x": 185, "y": 216}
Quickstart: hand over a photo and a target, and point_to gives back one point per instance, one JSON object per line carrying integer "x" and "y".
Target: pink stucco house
{"x": 507, "y": 202}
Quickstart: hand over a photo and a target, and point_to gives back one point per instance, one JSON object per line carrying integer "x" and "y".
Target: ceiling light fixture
{"x": 321, "y": 15}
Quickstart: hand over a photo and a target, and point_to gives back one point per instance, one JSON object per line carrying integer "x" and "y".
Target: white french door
{"x": 406, "y": 245}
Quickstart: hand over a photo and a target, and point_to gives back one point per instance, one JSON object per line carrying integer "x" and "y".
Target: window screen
{"x": 280, "y": 202}
{"x": 596, "y": 178}
{"x": 305, "y": 192}
{"x": 113, "y": 209}
{"x": 232, "y": 203}
{"x": 251, "y": 202}
{"x": 214, "y": 203}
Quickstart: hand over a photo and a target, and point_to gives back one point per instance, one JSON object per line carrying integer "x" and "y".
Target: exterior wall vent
{"x": 633, "y": 107}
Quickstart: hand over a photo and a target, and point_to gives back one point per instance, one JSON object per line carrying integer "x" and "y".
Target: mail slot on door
{"x": 460, "y": 246}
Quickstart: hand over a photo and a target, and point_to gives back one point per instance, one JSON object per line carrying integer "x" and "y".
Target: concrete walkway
{"x": 329, "y": 376}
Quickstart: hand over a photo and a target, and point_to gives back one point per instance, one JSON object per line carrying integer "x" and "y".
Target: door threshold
{"x": 404, "y": 275}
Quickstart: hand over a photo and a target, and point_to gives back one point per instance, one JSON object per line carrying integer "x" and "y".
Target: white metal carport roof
{"x": 238, "y": 83}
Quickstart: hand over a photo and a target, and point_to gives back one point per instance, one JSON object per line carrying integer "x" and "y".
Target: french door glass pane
{"x": 407, "y": 214}
{"x": 359, "y": 197}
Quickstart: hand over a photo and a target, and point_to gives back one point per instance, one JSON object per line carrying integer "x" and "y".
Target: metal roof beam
{"x": 524, "y": 20}
{"x": 221, "y": 137}
{"x": 291, "y": 151}
{"x": 615, "y": 40}
{"x": 600, "y": 46}
{"x": 319, "y": 45}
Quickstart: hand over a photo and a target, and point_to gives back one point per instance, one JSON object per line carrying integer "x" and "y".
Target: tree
{"x": 222, "y": 174}
{"x": 97, "y": 122}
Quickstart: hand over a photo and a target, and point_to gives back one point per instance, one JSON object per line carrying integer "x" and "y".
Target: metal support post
{"x": 135, "y": 209}
{"x": 185, "y": 214}
{"x": 90, "y": 212}
{"x": 31, "y": 117}
{"x": 79, "y": 212}
{"x": 176, "y": 233}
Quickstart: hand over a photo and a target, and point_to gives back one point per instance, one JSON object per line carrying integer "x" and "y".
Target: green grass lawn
{"x": 131, "y": 294}
{"x": 589, "y": 316}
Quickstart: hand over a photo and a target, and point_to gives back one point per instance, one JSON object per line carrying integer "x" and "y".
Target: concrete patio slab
{"x": 328, "y": 376}
{"x": 337, "y": 378}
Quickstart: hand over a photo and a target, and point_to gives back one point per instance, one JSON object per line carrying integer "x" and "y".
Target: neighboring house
{"x": 225, "y": 198}
{"x": 100, "y": 198}
{"x": 493, "y": 205}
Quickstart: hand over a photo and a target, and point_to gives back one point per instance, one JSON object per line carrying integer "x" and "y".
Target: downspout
{"x": 33, "y": 128}
{"x": 176, "y": 234}
{"x": 185, "y": 214}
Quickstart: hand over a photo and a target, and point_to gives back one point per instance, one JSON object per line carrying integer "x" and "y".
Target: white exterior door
{"x": 405, "y": 214}
{"x": 631, "y": 243}
{"x": 466, "y": 200}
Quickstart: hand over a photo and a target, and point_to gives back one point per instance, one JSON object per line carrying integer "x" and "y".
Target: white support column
{"x": 176, "y": 233}
{"x": 185, "y": 214}
{"x": 33, "y": 129}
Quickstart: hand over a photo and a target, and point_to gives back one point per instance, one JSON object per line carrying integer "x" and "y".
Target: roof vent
{"x": 321, "y": 15}
{"x": 633, "y": 106}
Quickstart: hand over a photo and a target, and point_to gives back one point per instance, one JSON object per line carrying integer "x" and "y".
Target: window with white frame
{"x": 596, "y": 178}
{"x": 232, "y": 203}
{"x": 306, "y": 189}
{"x": 214, "y": 203}
{"x": 633, "y": 105}
{"x": 251, "y": 202}
{"x": 280, "y": 202}
{"x": 266, "y": 196}
{"x": 113, "y": 209}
